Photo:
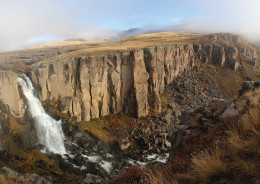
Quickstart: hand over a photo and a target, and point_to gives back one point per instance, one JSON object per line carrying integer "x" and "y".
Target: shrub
{"x": 130, "y": 175}
{"x": 206, "y": 164}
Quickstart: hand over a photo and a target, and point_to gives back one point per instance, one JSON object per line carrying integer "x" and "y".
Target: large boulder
{"x": 92, "y": 179}
{"x": 249, "y": 86}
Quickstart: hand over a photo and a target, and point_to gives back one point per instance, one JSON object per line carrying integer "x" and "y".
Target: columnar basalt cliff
{"x": 94, "y": 86}
{"x": 91, "y": 87}
{"x": 224, "y": 56}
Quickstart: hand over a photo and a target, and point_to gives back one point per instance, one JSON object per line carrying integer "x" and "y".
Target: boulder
{"x": 103, "y": 146}
{"x": 229, "y": 113}
{"x": 249, "y": 86}
{"x": 177, "y": 139}
{"x": 93, "y": 179}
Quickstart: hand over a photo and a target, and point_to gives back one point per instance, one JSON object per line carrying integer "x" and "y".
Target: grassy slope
{"x": 102, "y": 128}
{"x": 30, "y": 161}
{"x": 228, "y": 152}
{"x": 70, "y": 49}
{"x": 146, "y": 40}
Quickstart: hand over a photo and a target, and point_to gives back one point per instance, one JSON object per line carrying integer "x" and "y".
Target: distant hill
{"x": 76, "y": 47}
{"x": 76, "y": 39}
{"x": 147, "y": 30}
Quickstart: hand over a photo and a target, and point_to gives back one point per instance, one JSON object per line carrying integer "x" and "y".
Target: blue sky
{"x": 30, "y": 22}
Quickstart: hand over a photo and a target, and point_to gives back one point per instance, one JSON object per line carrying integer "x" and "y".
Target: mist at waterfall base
{"x": 48, "y": 131}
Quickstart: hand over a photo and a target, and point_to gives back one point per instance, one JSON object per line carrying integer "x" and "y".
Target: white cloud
{"x": 28, "y": 22}
{"x": 233, "y": 15}
{"x": 23, "y": 22}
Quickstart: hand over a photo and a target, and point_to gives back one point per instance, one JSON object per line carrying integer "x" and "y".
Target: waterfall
{"x": 48, "y": 130}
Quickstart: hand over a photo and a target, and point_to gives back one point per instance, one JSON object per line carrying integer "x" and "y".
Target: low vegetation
{"x": 21, "y": 59}
{"x": 8, "y": 179}
{"x": 30, "y": 161}
{"x": 228, "y": 152}
{"x": 104, "y": 127}
{"x": 224, "y": 77}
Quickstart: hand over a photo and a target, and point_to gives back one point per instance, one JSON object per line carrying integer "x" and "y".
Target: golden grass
{"x": 242, "y": 138}
{"x": 158, "y": 177}
{"x": 71, "y": 43}
{"x": 3, "y": 180}
{"x": 103, "y": 128}
{"x": 58, "y": 44}
{"x": 146, "y": 40}
{"x": 236, "y": 143}
{"x": 98, "y": 128}
{"x": 235, "y": 156}
{"x": 208, "y": 164}
{"x": 72, "y": 49}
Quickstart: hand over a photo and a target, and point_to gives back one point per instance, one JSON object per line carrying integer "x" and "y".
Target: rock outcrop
{"x": 94, "y": 86}
{"x": 10, "y": 99}
{"x": 224, "y": 56}
{"x": 249, "y": 86}
{"x": 91, "y": 87}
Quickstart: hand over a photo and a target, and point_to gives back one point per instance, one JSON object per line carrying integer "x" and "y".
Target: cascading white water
{"x": 48, "y": 131}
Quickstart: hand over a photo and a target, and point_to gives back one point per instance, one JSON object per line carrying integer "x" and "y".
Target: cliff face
{"x": 10, "y": 99}
{"x": 91, "y": 87}
{"x": 132, "y": 82}
{"x": 224, "y": 56}
{"x": 95, "y": 86}
{"x": 10, "y": 103}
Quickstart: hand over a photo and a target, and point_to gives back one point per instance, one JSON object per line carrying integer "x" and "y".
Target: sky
{"x": 25, "y": 23}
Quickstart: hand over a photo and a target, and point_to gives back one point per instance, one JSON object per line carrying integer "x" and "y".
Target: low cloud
{"x": 249, "y": 32}
{"x": 24, "y": 23}
{"x": 27, "y": 22}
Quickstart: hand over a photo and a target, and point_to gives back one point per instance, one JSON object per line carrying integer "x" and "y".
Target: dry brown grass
{"x": 158, "y": 177}
{"x": 235, "y": 157}
{"x": 3, "y": 180}
{"x": 236, "y": 143}
{"x": 62, "y": 50}
{"x": 207, "y": 164}
{"x": 242, "y": 138}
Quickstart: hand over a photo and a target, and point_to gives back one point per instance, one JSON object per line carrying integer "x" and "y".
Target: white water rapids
{"x": 48, "y": 131}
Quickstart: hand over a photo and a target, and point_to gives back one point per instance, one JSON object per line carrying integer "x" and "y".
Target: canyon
{"x": 158, "y": 85}
{"x": 132, "y": 82}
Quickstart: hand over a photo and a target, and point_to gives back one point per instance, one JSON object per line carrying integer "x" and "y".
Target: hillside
{"x": 220, "y": 148}
{"x": 129, "y": 110}
{"x": 20, "y": 59}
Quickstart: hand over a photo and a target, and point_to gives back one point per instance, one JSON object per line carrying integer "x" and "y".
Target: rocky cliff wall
{"x": 91, "y": 87}
{"x": 95, "y": 86}
{"x": 224, "y": 56}
{"x": 10, "y": 100}
{"x": 132, "y": 82}
{"x": 10, "y": 103}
